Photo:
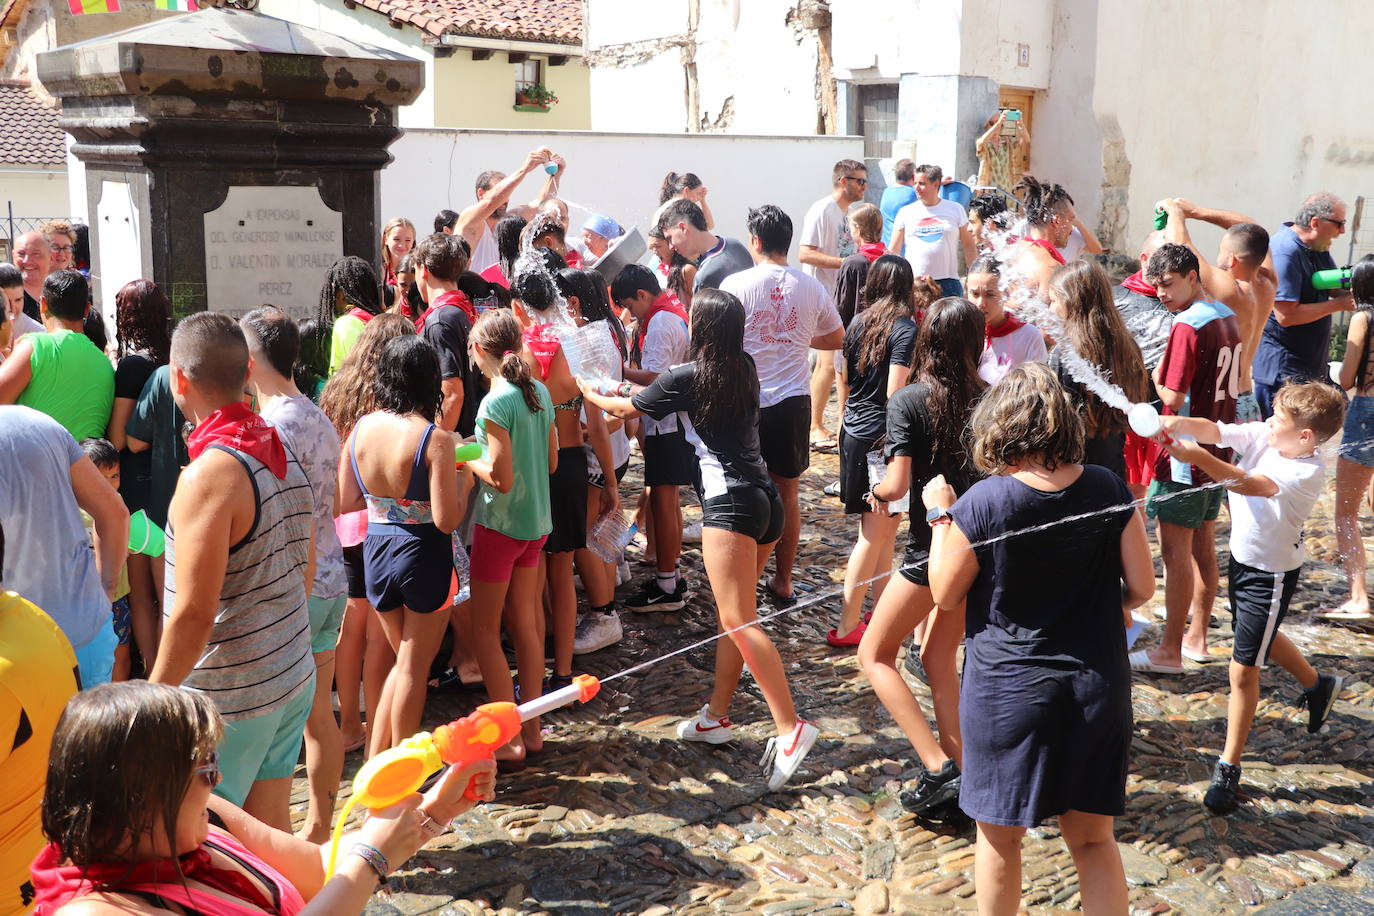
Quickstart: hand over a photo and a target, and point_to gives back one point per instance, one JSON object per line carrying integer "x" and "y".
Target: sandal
{"x": 777, "y": 599}
{"x": 450, "y": 682}
{"x": 847, "y": 641}
{"x": 1140, "y": 661}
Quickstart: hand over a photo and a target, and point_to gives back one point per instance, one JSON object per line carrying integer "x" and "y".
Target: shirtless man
{"x": 475, "y": 224}
{"x": 1243, "y": 279}
{"x": 1050, "y": 219}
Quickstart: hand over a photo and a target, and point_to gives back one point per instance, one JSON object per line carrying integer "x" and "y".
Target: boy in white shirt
{"x": 1273, "y": 485}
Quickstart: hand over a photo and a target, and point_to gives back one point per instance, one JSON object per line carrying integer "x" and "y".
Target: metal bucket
{"x": 626, "y": 250}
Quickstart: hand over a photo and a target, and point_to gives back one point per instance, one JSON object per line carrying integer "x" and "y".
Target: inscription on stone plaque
{"x": 270, "y": 246}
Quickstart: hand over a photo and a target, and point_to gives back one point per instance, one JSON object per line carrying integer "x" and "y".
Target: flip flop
{"x": 847, "y": 641}
{"x": 1140, "y": 661}
{"x": 450, "y": 682}
{"x": 1198, "y": 657}
{"x": 1343, "y": 614}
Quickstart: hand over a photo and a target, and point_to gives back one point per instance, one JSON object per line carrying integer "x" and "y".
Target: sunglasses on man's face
{"x": 1338, "y": 223}
{"x": 863, "y": 182}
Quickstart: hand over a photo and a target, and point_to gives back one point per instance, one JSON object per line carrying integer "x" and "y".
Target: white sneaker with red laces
{"x": 704, "y": 727}
{"x": 786, "y": 752}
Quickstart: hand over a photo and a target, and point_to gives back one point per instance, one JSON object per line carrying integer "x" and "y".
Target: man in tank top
{"x": 475, "y": 224}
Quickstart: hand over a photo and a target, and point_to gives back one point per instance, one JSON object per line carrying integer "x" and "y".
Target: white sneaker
{"x": 786, "y": 752}
{"x": 597, "y": 631}
{"x": 692, "y": 533}
{"x": 702, "y": 727}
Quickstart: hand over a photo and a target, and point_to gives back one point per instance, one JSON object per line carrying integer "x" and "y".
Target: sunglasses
{"x": 863, "y": 182}
{"x": 1338, "y": 223}
{"x": 210, "y": 770}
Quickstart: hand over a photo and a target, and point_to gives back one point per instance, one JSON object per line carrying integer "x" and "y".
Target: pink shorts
{"x": 494, "y": 554}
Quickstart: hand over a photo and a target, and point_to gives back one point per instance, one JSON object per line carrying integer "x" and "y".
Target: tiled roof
{"x": 554, "y": 21}
{"x": 29, "y": 134}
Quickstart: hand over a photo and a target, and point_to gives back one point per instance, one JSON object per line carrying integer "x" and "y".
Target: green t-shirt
{"x": 73, "y": 382}
{"x": 523, "y": 513}
{"x": 347, "y": 330}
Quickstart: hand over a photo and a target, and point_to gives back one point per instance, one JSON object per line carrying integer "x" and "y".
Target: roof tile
{"x": 553, "y": 21}
{"x": 29, "y": 133}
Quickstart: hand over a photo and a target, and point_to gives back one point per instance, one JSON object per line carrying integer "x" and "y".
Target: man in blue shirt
{"x": 1297, "y": 336}
{"x": 898, "y": 195}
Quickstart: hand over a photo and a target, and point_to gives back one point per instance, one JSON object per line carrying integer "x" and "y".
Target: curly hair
{"x": 1027, "y": 416}
{"x": 1042, "y": 199}
{"x": 143, "y": 321}
{"x": 348, "y": 393}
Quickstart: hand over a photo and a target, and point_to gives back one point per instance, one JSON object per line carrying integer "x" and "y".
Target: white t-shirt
{"x": 826, "y": 227}
{"x": 931, "y": 237}
{"x": 23, "y": 324}
{"x": 665, "y": 346}
{"x": 1002, "y": 354}
{"x": 784, "y": 309}
{"x": 1266, "y": 533}
{"x": 1074, "y": 247}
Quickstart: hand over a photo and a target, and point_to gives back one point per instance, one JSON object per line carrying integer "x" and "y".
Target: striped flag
{"x": 93, "y": 6}
{"x": 176, "y": 6}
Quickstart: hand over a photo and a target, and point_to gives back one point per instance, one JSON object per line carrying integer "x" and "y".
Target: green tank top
{"x": 72, "y": 382}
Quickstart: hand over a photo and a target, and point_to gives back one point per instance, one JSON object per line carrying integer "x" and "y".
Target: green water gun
{"x": 1333, "y": 278}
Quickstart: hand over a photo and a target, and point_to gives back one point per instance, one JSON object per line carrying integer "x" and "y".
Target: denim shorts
{"x": 1357, "y": 439}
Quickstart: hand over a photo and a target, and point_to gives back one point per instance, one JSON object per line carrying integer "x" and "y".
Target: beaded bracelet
{"x": 374, "y": 858}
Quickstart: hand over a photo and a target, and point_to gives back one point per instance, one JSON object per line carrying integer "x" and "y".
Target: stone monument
{"x": 229, "y": 156}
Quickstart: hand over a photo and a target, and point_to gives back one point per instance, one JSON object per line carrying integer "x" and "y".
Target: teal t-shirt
{"x": 523, "y": 513}
{"x": 73, "y": 382}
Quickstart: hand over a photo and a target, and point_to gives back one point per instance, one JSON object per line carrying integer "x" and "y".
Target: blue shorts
{"x": 326, "y": 616}
{"x": 123, "y": 620}
{"x": 263, "y": 747}
{"x": 1247, "y": 408}
{"x": 95, "y": 659}
{"x": 411, "y": 567}
{"x": 1357, "y": 439}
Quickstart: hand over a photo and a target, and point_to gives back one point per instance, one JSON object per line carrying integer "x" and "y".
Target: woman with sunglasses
{"x": 132, "y": 826}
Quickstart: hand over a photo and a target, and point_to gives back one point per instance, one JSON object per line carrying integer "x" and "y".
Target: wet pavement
{"x": 621, "y": 817}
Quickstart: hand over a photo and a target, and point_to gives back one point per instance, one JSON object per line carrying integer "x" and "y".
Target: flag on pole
{"x": 176, "y": 6}
{"x": 93, "y": 6}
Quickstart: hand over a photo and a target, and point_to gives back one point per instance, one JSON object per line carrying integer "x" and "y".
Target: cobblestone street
{"x": 620, "y": 817}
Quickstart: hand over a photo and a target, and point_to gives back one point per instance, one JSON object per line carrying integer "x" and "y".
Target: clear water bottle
{"x": 463, "y": 567}
{"x": 877, "y": 470}
{"x": 609, "y": 536}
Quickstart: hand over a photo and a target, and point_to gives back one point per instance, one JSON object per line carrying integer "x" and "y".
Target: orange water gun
{"x": 397, "y": 773}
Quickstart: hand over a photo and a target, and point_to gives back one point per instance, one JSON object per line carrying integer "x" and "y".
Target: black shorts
{"x": 1259, "y": 601}
{"x": 670, "y": 460}
{"x": 412, "y": 566}
{"x": 598, "y": 479}
{"x": 568, "y": 501}
{"x": 915, "y": 566}
{"x": 854, "y": 483}
{"x": 784, "y": 436}
{"x": 353, "y": 568}
{"x": 755, "y": 512}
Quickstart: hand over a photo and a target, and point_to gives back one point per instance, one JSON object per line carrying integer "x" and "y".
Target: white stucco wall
{"x": 32, "y": 192}
{"x": 618, "y": 174}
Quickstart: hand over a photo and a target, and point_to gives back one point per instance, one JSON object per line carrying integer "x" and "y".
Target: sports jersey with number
{"x": 1202, "y": 359}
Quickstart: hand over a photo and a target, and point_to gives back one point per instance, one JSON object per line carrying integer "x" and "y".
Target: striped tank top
{"x": 258, "y": 655}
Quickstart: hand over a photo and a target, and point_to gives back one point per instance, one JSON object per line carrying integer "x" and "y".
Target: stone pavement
{"x": 619, "y": 817}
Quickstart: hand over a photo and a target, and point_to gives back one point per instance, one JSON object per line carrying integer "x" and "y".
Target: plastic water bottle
{"x": 609, "y": 536}
{"x": 463, "y": 567}
{"x": 877, "y": 470}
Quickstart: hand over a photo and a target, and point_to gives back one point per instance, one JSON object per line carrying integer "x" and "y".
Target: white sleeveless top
{"x": 486, "y": 253}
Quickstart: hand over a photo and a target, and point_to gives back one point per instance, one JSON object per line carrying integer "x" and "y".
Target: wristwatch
{"x": 938, "y": 515}
{"x": 430, "y": 826}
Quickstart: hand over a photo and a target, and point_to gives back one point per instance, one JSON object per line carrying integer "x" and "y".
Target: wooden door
{"x": 1024, "y": 101}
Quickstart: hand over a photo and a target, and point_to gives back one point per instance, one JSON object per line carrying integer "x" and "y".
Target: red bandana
{"x": 448, "y": 297}
{"x": 1048, "y": 246}
{"x": 1136, "y": 284}
{"x": 1009, "y": 323}
{"x": 872, "y": 250}
{"x": 666, "y": 302}
{"x": 237, "y": 427}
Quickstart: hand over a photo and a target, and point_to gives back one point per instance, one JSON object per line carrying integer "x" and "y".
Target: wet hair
{"x": 348, "y": 393}
{"x": 313, "y": 351}
{"x": 1171, "y": 258}
{"x": 592, "y": 300}
{"x": 990, "y": 208}
{"x": 93, "y": 326}
{"x": 725, "y": 385}
{"x": 868, "y": 219}
{"x": 10, "y": 277}
{"x": 210, "y": 348}
{"x": 985, "y": 264}
{"x": 143, "y": 320}
{"x": 1026, "y": 416}
{"x": 843, "y": 168}
{"x": 680, "y": 211}
{"x": 442, "y": 255}
{"x": 67, "y": 294}
{"x": 102, "y": 452}
{"x": 1250, "y": 240}
{"x": 1097, "y": 332}
{"x": 772, "y": 227}
{"x": 1321, "y": 205}
{"x": 1042, "y": 199}
{"x": 122, "y": 760}
{"x": 949, "y": 345}
{"x": 396, "y": 222}
{"x": 633, "y": 278}
{"x": 551, "y": 229}
{"x": 498, "y": 334}
{"x": 904, "y": 171}
{"x": 407, "y": 379}
{"x": 933, "y": 173}
{"x": 1313, "y": 405}
{"x": 273, "y": 335}
{"x": 445, "y": 219}
{"x": 507, "y": 233}
{"x": 487, "y": 179}
{"x": 674, "y": 184}
{"x": 887, "y": 297}
{"x": 474, "y": 286}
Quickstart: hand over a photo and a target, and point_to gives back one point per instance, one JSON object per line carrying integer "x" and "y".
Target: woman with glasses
{"x": 132, "y": 826}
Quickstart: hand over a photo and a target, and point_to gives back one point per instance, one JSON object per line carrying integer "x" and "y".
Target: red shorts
{"x": 1141, "y": 455}
{"x": 494, "y": 554}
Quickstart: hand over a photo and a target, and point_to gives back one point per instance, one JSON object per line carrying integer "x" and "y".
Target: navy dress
{"x": 1045, "y": 705}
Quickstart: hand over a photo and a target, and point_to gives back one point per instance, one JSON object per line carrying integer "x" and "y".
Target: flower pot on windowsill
{"x": 523, "y": 103}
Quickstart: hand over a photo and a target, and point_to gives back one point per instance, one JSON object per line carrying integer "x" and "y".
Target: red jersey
{"x": 1202, "y": 359}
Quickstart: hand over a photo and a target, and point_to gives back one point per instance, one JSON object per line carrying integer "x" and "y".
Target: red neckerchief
{"x": 872, "y": 250}
{"x": 574, "y": 259}
{"x": 237, "y": 427}
{"x": 1048, "y": 246}
{"x": 1136, "y": 284}
{"x": 666, "y": 302}
{"x": 448, "y": 297}
{"x": 56, "y": 884}
{"x": 1009, "y": 323}
{"x": 362, "y": 315}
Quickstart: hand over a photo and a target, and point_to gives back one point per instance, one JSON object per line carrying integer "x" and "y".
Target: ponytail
{"x": 497, "y": 331}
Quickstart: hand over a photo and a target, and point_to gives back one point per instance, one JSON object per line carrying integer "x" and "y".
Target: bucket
{"x": 626, "y": 250}
{"x": 145, "y": 536}
{"x": 956, "y": 191}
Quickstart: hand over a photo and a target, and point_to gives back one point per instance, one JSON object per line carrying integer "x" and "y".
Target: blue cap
{"x": 603, "y": 225}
